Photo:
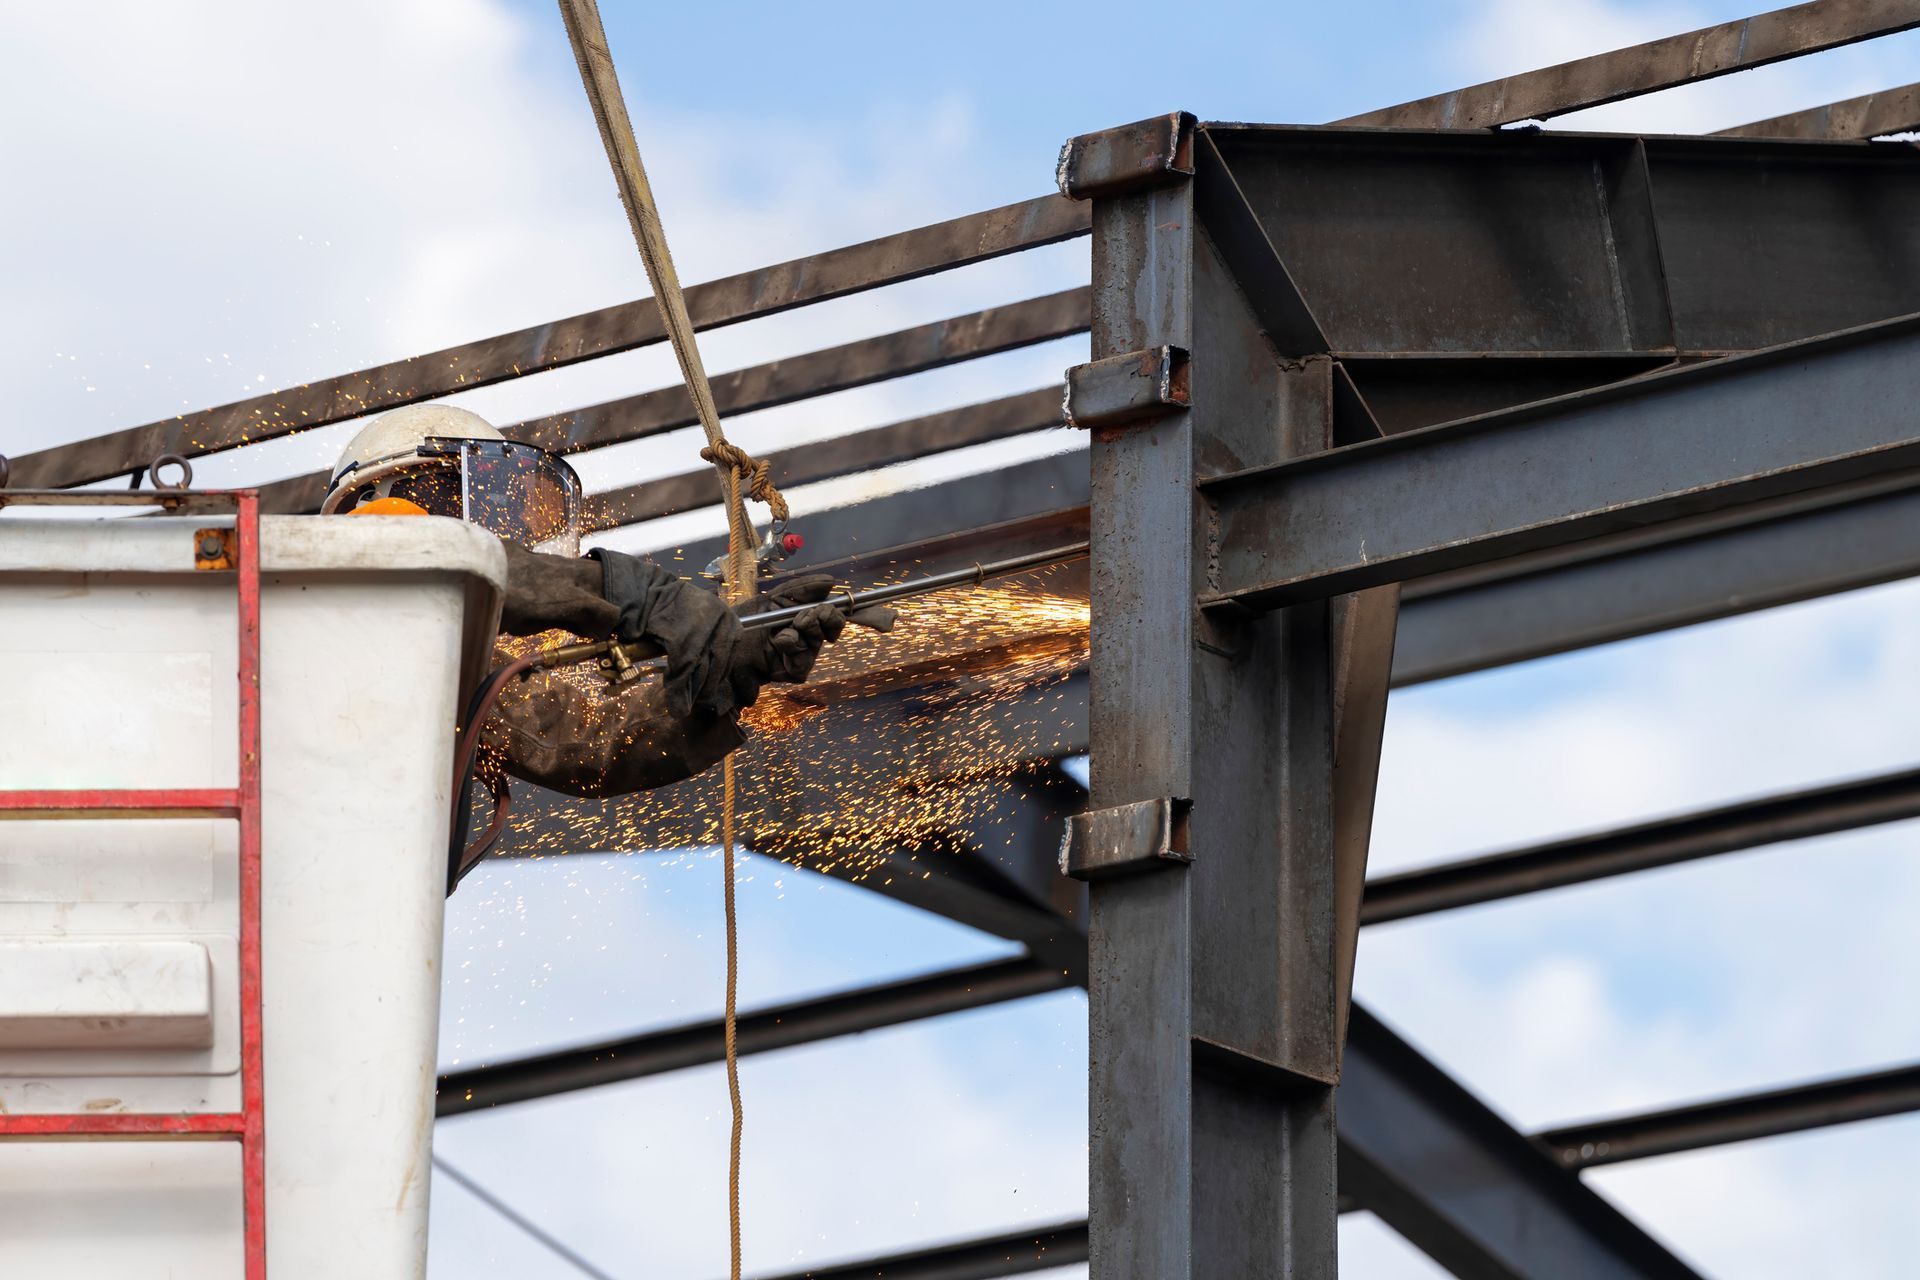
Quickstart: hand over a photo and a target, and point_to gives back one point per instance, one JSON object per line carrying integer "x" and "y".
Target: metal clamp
{"x": 1128, "y": 388}
{"x": 1147, "y": 153}
{"x": 1127, "y": 839}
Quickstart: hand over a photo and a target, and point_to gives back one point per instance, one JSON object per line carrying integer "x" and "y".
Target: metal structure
{"x": 1310, "y": 348}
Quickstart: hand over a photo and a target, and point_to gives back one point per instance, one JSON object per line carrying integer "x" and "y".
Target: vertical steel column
{"x": 1209, "y": 848}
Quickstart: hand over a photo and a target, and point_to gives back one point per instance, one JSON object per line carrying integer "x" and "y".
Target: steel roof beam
{"x": 766, "y": 291}
{"x": 1871, "y": 115}
{"x": 842, "y": 455}
{"x": 777, "y": 382}
{"x": 1742, "y": 1118}
{"x": 1648, "y": 68}
{"x": 760, "y": 1031}
{"x": 1750, "y": 824}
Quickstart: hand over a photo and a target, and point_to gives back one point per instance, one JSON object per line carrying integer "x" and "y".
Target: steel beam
{"x": 1212, "y": 1021}
{"x": 760, "y": 1031}
{"x": 767, "y": 291}
{"x": 1871, "y": 115}
{"x": 1647, "y": 68}
{"x": 1750, "y": 824}
{"x": 1738, "y": 1119}
{"x": 842, "y": 455}
{"x": 1591, "y": 593}
{"x": 1796, "y": 418}
{"x": 1013, "y": 1253}
{"x": 777, "y": 382}
{"x": 1650, "y": 580}
{"x": 1436, "y": 1165}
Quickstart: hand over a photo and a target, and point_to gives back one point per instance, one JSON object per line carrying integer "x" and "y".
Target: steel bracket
{"x": 1149, "y": 835}
{"x": 1129, "y": 157}
{"x": 1128, "y": 388}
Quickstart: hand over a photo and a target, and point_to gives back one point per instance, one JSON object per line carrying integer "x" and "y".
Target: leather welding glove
{"x": 698, "y": 632}
{"x": 786, "y": 654}
{"x": 607, "y": 593}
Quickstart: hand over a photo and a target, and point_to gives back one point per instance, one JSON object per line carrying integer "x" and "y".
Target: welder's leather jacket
{"x": 600, "y": 740}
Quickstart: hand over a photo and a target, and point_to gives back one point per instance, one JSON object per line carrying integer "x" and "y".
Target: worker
{"x": 586, "y": 740}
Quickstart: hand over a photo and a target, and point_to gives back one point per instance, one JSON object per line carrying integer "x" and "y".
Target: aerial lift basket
{"x": 161, "y": 977}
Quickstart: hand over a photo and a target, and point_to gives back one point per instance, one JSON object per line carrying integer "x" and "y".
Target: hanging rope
{"x": 736, "y": 467}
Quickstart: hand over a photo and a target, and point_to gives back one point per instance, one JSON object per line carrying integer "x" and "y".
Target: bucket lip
{"x": 289, "y": 544}
{"x": 370, "y": 547}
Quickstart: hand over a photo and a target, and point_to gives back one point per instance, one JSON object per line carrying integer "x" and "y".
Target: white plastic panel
{"x": 100, "y": 994}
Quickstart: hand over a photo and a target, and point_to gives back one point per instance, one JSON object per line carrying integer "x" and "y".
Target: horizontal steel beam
{"x": 759, "y": 1031}
{"x": 777, "y": 382}
{"x": 1738, "y": 1119}
{"x": 1013, "y": 1253}
{"x": 767, "y": 291}
{"x": 1650, "y": 580}
{"x": 1791, "y": 419}
{"x": 1658, "y": 64}
{"x": 841, "y": 455}
{"x": 1846, "y": 1100}
{"x": 1594, "y": 592}
{"x": 1750, "y": 824}
{"x": 1871, "y": 115}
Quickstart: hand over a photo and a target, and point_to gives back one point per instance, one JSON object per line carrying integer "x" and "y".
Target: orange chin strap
{"x": 389, "y": 507}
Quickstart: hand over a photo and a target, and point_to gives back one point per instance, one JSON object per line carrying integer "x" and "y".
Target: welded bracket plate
{"x": 1146, "y": 153}
{"x": 1128, "y": 388}
{"x": 1126, "y": 839}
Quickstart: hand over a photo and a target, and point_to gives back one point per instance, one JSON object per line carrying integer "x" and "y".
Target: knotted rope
{"x": 757, "y": 472}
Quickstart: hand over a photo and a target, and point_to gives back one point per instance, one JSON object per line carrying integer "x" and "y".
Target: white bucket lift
{"x": 122, "y": 945}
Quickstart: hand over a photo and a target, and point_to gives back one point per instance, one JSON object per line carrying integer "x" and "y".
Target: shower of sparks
{"x": 904, "y": 743}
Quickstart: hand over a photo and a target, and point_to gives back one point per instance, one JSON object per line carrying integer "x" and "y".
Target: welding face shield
{"x": 518, "y": 491}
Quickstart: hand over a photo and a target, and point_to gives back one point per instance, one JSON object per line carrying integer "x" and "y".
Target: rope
{"x": 757, "y": 472}
{"x": 734, "y": 465}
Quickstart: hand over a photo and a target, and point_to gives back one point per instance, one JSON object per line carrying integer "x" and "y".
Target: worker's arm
{"x": 574, "y": 732}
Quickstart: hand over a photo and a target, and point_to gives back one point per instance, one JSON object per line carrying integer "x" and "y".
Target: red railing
{"x": 242, "y": 803}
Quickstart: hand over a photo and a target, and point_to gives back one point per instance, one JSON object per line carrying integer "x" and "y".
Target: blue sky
{"x": 232, "y": 197}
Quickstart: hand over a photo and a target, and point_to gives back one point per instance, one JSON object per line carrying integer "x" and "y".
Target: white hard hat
{"x": 391, "y": 444}
{"x": 449, "y": 461}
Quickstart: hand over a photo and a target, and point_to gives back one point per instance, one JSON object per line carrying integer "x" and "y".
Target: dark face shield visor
{"x": 518, "y": 491}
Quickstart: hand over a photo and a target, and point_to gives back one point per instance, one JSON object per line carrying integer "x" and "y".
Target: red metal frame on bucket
{"x": 241, "y": 802}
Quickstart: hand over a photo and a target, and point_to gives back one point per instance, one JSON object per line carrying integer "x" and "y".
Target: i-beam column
{"x": 1209, "y": 846}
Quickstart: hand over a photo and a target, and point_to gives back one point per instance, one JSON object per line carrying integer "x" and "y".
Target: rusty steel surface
{"x": 1647, "y": 68}
{"x": 840, "y": 455}
{"x": 778, "y": 382}
{"x": 767, "y": 291}
{"x": 1146, "y": 153}
{"x": 1868, "y": 116}
{"x": 1138, "y": 386}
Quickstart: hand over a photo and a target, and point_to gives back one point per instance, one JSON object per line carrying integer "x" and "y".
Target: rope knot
{"x": 756, "y": 472}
